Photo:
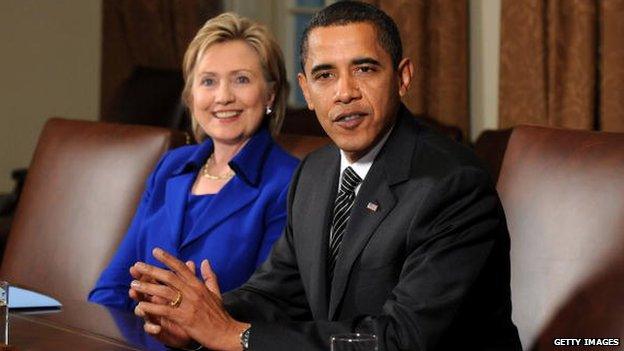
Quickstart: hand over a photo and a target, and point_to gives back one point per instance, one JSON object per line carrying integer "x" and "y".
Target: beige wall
{"x": 484, "y": 66}
{"x": 49, "y": 66}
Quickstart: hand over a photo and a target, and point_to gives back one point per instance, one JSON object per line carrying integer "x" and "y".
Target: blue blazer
{"x": 236, "y": 231}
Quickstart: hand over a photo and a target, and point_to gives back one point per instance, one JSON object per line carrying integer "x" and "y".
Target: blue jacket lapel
{"x": 234, "y": 196}
{"x": 240, "y": 190}
{"x": 176, "y": 192}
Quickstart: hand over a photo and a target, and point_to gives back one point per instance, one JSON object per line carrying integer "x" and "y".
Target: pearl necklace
{"x": 204, "y": 171}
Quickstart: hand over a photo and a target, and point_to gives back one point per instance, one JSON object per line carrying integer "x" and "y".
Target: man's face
{"x": 352, "y": 86}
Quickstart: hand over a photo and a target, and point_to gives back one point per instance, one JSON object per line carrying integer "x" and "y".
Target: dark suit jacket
{"x": 428, "y": 270}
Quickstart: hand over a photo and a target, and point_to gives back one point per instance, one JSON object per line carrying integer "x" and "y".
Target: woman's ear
{"x": 271, "y": 98}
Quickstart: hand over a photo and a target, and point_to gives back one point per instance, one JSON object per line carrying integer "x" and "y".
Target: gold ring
{"x": 177, "y": 301}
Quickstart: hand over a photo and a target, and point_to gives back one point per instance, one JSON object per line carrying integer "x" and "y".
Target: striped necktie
{"x": 342, "y": 210}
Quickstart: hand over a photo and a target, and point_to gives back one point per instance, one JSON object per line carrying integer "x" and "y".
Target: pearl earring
{"x": 268, "y": 110}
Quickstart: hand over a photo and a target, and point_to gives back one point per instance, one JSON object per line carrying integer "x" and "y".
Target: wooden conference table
{"x": 78, "y": 325}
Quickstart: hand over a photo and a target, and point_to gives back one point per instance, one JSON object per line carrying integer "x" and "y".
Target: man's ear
{"x": 303, "y": 83}
{"x": 405, "y": 72}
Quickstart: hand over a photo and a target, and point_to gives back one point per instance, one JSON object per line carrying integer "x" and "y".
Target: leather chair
{"x": 563, "y": 194}
{"x": 490, "y": 147}
{"x": 301, "y": 145}
{"x": 82, "y": 188}
{"x": 8, "y": 202}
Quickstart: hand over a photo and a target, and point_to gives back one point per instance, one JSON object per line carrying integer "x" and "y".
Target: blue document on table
{"x": 26, "y": 299}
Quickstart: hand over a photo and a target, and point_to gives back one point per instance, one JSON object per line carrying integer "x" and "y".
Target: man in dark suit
{"x": 396, "y": 231}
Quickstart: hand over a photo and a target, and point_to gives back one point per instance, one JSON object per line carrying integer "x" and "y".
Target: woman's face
{"x": 229, "y": 95}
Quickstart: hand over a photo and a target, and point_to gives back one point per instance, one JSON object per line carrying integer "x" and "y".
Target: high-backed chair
{"x": 301, "y": 145}
{"x": 490, "y": 147}
{"x": 81, "y": 191}
{"x": 563, "y": 194}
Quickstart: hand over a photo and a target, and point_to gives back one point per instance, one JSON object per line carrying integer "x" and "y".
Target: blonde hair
{"x": 229, "y": 27}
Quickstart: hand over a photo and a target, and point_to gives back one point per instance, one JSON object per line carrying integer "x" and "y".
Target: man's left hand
{"x": 199, "y": 310}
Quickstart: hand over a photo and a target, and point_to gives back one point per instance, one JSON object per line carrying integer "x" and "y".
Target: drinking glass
{"x": 353, "y": 342}
{"x": 4, "y": 313}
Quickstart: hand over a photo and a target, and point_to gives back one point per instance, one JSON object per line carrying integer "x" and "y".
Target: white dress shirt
{"x": 363, "y": 165}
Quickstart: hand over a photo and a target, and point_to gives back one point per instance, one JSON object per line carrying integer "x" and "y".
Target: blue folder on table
{"x": 26, "y": 299}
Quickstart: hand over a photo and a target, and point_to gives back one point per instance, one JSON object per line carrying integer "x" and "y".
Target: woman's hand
{"x": 199, "y": 313}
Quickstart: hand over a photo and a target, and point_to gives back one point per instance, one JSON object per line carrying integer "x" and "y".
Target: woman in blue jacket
{"x": 224, "y": 199}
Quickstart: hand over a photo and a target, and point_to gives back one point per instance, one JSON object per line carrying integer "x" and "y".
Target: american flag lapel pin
{"x": 372, "y": 206}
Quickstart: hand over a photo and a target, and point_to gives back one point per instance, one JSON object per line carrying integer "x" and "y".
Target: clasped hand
{"x": 178, "y": 307}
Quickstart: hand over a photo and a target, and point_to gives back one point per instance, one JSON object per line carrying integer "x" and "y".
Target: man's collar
{"x": 247, "y": 163}
{"x": 362, "y": 165}
{"x": 397, "y": 154}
